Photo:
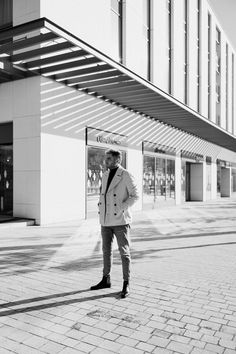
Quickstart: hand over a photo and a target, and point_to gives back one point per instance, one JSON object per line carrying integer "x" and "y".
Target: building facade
{"x": 154, "y": 78}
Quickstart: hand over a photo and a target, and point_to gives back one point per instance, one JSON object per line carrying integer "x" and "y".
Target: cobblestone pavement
{"x": 183, "y": 289}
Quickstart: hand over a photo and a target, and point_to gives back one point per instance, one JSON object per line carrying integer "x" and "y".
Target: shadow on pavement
{"x": 10, "y": 312}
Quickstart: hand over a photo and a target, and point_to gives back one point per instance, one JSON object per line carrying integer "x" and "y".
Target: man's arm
{"x": 132, "y": 191}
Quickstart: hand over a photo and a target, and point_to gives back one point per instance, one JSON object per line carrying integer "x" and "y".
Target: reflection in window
{"x": 158, "y": 180}
{"x": 148, "y": 179}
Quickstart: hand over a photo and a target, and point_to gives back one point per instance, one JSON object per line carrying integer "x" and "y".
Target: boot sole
{"x": 100, "y": 287}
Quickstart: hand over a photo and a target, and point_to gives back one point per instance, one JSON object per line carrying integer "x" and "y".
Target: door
{"x": 188, "y": 181}
{"x": 6, "y": 179}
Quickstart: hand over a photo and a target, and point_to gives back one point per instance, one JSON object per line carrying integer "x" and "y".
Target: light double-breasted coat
{"x": 114, "y": 207}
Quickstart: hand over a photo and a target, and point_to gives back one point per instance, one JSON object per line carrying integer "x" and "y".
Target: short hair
{"x": 115, "y": 153}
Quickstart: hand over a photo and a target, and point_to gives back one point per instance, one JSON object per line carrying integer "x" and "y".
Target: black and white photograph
{"x": 118, "y": 176}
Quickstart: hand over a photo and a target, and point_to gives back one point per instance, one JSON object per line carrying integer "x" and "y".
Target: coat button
{"x": 114, "y": 195}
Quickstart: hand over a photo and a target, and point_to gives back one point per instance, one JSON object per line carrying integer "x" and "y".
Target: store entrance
{"x": 192, "y": 181}
{"x": 6, "y": 179}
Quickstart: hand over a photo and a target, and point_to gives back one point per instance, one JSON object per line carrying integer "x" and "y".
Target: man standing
{"x": 118, "y": 194}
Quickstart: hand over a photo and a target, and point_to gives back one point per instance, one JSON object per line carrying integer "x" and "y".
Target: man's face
{"x": 111, "y": 161}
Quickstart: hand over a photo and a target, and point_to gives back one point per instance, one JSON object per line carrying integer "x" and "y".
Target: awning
{"x": 41, "y": 47}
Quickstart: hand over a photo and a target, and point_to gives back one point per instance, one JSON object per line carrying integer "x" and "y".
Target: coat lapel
{"x": 116, "y": 179}
{"x": 104, "y": 182}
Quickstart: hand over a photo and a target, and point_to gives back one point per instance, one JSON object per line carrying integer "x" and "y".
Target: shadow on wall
{"x": 66, "y": 112}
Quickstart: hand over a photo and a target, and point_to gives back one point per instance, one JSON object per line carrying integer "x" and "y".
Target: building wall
{"x": 20, "y": 104}
{"x": 96, "y": 28}
{"x": 49, "y": 119}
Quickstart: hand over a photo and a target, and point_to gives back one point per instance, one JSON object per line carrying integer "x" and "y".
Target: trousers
{"x": 122, "y": 235}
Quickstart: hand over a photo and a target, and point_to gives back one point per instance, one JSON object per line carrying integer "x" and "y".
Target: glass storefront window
{"x": 233, "y": 182}
{"x": 183, "y": 181}
{"x": 6, "y": 179}
{"x": 170, "y": 179}
{"x": 148, "y": 180}
{"x": 95, "y": 170}
{"x": 208, "y": 181}
{"x": 158, "y": 180}
{"x": 218, "y": 180}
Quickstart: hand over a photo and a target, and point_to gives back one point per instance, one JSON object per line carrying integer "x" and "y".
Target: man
{"x": 118, "y": 194}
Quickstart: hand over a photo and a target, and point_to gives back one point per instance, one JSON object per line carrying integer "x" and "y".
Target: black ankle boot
{"x": 125, "y": 290}
{"x": 104, "y": 283}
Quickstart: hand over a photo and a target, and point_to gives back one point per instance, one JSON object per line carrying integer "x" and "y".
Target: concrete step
{"x": 11, "y": 222}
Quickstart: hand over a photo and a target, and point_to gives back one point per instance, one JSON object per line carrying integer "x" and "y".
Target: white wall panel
{"x": 204, "y": 60}
{"x": 90, "y": 20}
{"x": 192, "y": 53}
{"x": 135, "y": 37}
{"x": 160, "y": 68}
{"x": 223, "y": 82}
{"x": 178, "y": 43}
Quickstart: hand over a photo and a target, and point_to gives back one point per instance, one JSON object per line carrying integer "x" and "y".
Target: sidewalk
{"x": 183, "y": 289}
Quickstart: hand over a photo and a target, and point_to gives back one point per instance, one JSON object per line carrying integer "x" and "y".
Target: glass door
{"x": 6, "y": 179}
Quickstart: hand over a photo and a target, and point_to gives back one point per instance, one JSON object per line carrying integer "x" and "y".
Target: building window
{"x": 209, "y": 66}
{"x": 5, "y": 13}
{"x": 198, "y": 52}
{"x": 117, "y": 28}
{"x": 227, "y": 87}
{"x": 169, "y": 14}
{"x": 147, "y": 34}
{"x": 218, "y": 76}
{"x": 186, "y": 51}
{"x": 149, "y": 25}
{"x": 233, "y": 118}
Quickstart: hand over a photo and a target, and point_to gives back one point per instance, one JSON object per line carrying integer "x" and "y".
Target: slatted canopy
{"x": 41, "y": 47}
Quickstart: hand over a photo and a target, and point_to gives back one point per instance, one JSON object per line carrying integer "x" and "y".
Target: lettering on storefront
{"x": 192, "y": 155}
{"x": 158, "y": 148}
{"x": 102, "y": 139}
{"x": 96, "y": 137}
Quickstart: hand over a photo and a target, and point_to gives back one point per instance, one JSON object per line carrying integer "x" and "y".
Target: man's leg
{"x": 107, "y": 239}
{"x": 122, "y": 235}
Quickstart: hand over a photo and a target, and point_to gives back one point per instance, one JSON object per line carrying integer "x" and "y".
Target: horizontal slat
{"x": 89, "y": 78}
{"x": 69, "y": 65}
{"x": 98, "y": 83}
{"x": 24, "y": 43}
{"x": 94, "y": 69}
{"x": 56, "y": 58}
{"x": 41, "y": 51}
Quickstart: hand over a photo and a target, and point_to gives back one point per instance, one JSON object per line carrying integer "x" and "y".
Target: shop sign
{"x": 158, "y": 148}
{"x": 191, "y": 155}
{"x": 98, "y": 137}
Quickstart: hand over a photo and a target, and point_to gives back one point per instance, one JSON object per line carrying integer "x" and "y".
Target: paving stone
{"x": 159, "y": 342}
{"x": 214, "y": 348}
{"x": 210, "y": 339}
{"x": 180, "y": 347}
{"x": 193, "y": 334}
{"x": 228, "y": 343}
{"x": 127, "y": 341}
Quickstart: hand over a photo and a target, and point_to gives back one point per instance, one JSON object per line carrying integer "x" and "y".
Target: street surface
{"x": 183, "y": 288}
